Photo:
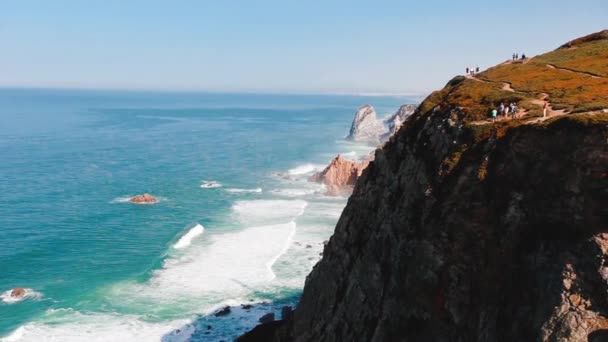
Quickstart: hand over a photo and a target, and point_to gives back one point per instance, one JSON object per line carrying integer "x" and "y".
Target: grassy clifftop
{"x": 573, "y": 78}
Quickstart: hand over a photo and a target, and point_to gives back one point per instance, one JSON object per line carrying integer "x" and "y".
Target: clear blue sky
{"x": 276, "y": 46}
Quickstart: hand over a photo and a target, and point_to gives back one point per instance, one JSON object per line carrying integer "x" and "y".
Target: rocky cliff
{"x": 463, "y": 229}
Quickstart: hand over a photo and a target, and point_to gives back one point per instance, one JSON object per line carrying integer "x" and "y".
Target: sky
{"x": 276, "y": 46}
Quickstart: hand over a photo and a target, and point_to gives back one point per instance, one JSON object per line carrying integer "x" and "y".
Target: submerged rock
{"x": 144, "y": 199}
{"x": 223, "y": 312}
{"x": 340, "y": 175}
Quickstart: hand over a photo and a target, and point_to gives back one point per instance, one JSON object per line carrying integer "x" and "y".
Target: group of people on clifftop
{"x": 517, "y": 57}
{"x": 504, "y": 111}
{"x": 472, "y": 71}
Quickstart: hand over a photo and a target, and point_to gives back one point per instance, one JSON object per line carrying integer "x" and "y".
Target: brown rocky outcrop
{"x": 18, "y": 292}
{"x": 340, "y": 175}
{"x": 144, "y": 199}
{"x": 469, "y": 232}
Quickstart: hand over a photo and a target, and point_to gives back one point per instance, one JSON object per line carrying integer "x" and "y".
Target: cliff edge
{"x": 470, "y": 229}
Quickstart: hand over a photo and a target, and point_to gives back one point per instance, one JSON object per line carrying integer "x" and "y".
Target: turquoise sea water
{"x": 100, "y": 269}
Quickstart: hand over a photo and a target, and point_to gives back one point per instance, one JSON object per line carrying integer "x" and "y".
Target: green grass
{"x": 589, "y": 57}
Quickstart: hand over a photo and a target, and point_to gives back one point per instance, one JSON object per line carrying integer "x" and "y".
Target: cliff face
{"x": 468, "y": 230}
{"x": 507, "y": 246}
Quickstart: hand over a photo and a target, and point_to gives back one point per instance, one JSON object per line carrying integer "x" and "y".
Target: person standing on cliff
{"x": 477, "y": 69}
{"x": 494, "y": 113}
{"x": 545, "y": 109}
{"x": 513, "y": 110}
{"x": 467, "y": 72}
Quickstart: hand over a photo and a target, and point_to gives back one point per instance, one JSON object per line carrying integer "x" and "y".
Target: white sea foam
{"x": 271, "y": 262}
{"x": 235, "y": 190}
{"x": 292, "y": 192}
{"x": 29, "y": 294}
{"x": 186, "y": 239}
{"x": 210, "y": 185}
{"x": 262, "y": 212}
{"x": 100, "y": 327}
{"x": 305, "y": 169}
{"x": 232, "y": 264}
{"x": 123, "y": 199}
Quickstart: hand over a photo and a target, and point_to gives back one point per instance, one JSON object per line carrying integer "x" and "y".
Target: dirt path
{"x": 553, "y": 66}
{"x": 507, "y": 86}
{"x": 551, "y": 113}
{"x": 472, "y": 77}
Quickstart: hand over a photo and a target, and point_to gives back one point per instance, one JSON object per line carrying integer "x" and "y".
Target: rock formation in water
{"x": 467, "y": 230}
{"x": 366, "y": 127}
{"x": 340, "y": 175}
{"x": 144, "y": 199}
{"x": 18, "y": 292}
{"x": 394, "y": 122}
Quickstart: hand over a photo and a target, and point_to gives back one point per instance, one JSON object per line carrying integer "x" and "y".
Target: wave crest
{"x": 186, "y": 239}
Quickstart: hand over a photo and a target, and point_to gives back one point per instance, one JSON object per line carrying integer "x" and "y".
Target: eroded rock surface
{"x": 340, "y": 175}
{"x": 366, "y": 127}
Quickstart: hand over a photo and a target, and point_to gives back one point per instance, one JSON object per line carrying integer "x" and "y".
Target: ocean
{"x": 98, "y": 268}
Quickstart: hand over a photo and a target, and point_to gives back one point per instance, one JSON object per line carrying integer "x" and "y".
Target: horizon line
{"x": 208, "y": 91}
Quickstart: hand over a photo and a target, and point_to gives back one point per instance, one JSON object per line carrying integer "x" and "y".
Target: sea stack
{"x": 395, "y": 121}
{"x": 366, "y": 127}
{"x": 144, "y": 199}
{"x": 340, "y": 175}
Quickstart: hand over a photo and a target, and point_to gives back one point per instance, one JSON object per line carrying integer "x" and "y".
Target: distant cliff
{"x": 465, "y": 229}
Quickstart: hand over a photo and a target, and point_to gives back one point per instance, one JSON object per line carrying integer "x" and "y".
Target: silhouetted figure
{"x": 467, "y": 70}
{"x": 477, "y": 69}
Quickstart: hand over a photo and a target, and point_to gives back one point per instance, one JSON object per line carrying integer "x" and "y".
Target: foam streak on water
{"x": 185, "y": 240}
